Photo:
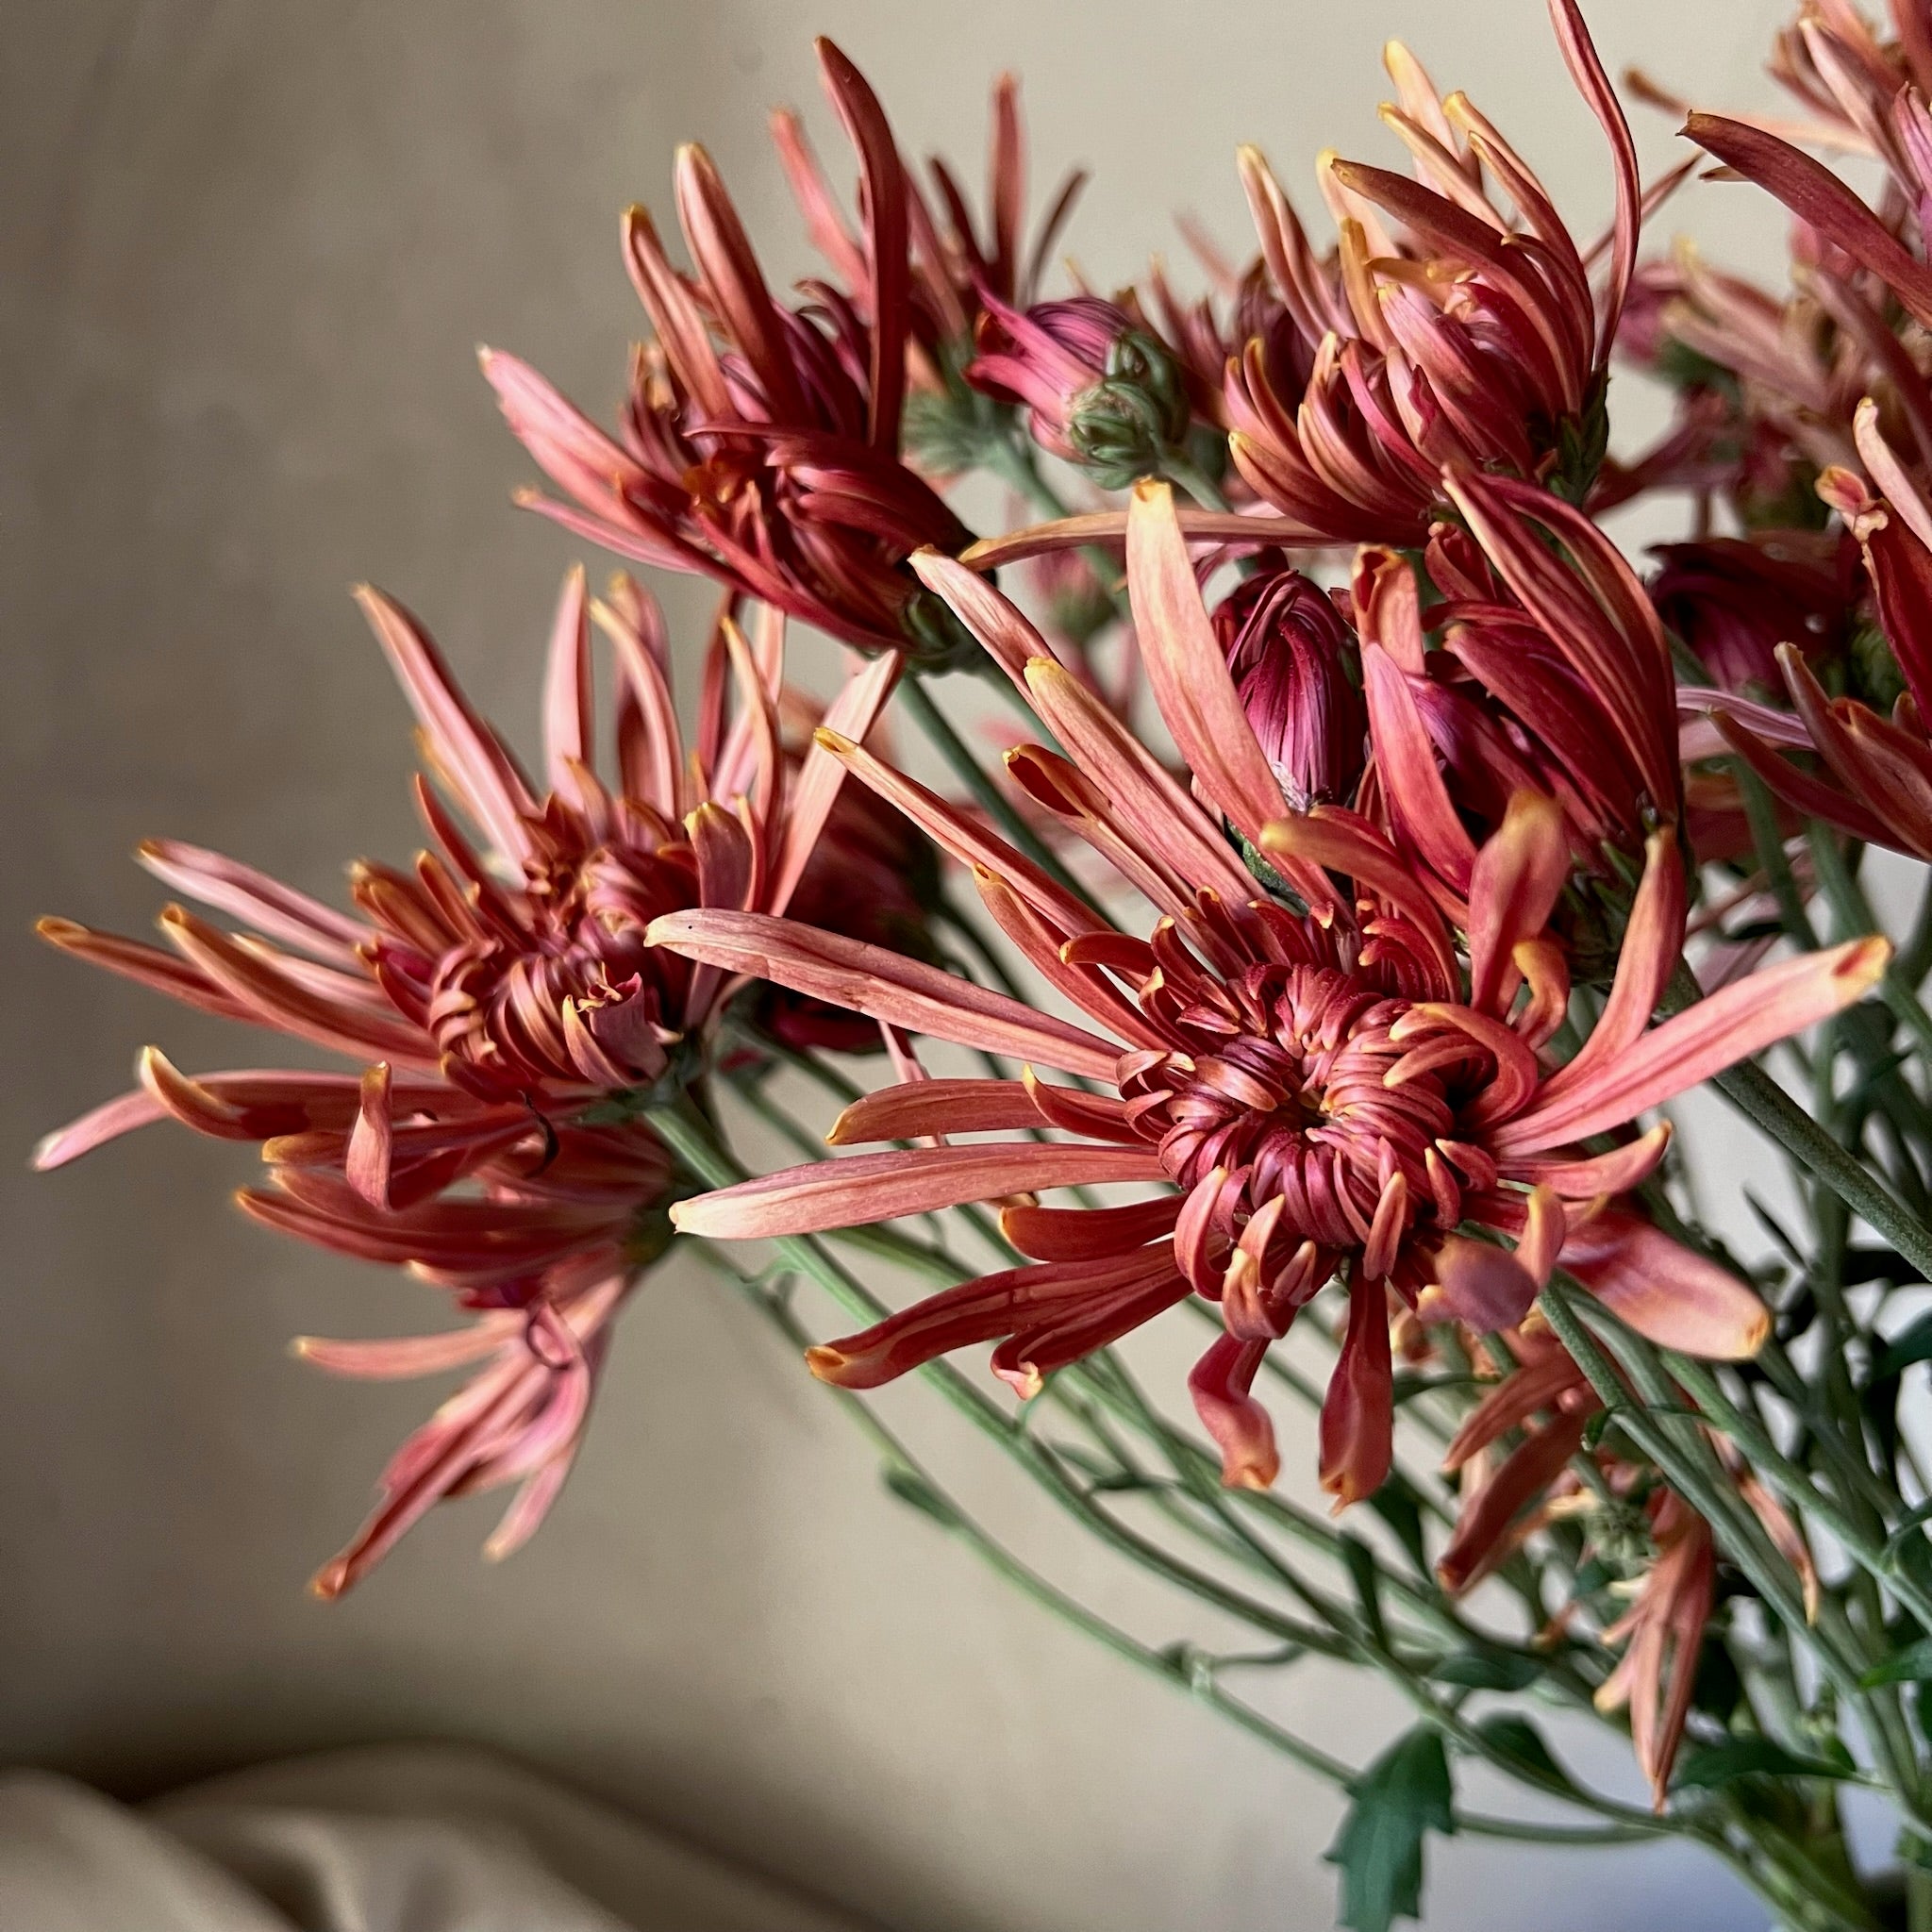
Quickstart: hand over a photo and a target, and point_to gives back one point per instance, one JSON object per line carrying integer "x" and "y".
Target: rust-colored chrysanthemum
{"x": 1320, "y": 1091}
{"x": 496, "y": 996}
{"x": 1444, "y": 330}
{"x": 1876, "y": 780}
{"x": 760, "y": 444}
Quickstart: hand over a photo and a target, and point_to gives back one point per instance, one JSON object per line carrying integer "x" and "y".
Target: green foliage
{"x": 1367, "y": 1577}
{"x": 1488, "y": 1670}
{"x": 1398, "y": 1504}
{"x": 1403, "y": 1796}
{"x": 1911, "y": 1665}
{"x": 1583, "y": 440}
{"x": 912, "y": 1488}
{"x": 1514, "y": 1738}
{"x": 1711, "y": 1765}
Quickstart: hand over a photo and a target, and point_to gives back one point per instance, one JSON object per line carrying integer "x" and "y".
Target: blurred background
{"x": 249, "y": 246}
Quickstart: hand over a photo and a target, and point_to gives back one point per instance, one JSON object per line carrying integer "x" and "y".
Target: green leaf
{"x": 1367, "y": 1577}
{"x": 911, "y": 1488}
{"x": 1736, "y": 1758}
{"x": 1398, "y": 1800}
{"x": 1398, "y": 1505}
{"x": 1488, "y": 1670}
{"x": 1911, "y": 1665}
{"x": 1518, "y": 1740}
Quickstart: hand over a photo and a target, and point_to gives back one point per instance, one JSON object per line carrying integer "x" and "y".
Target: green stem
{"x": 994, "y": 802}
{"x": 1178, "y": 466}
{"x": 1852, "y": 912}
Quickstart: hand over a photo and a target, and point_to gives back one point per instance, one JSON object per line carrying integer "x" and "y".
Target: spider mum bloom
{"x": 1446, "y": 330}
{"x": 1733, "y": 600}
{"x": 1551, "y": 674}
{"x": 1508, "y": 1495}
{"x": 1876, "y": 776}
{"x": 760, "y": 444}
{"x": 1316, "y": 1092}
{"x": 956, "y": 262}
{"x": 494, "y": 998}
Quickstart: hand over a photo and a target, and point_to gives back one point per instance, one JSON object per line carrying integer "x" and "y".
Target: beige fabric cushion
{"x": 392, "y": 1839}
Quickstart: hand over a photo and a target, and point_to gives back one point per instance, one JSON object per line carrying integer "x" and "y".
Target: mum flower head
{"x": 1669, "y": 1579}
{"x": 1874, "y": 775}
{"x": 760, "y": 444}
{"x": 1320, "y": 1083}
{"x": 502, "y": 1005}
{"x": 1454, "y": 324}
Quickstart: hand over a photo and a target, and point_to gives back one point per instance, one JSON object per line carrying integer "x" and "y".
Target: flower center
{"x": 568, "y": 990}
{"x": 1300, "y": 1092}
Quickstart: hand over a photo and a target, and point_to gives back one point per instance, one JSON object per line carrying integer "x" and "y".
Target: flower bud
{"x": 1100, "y": 391}
{"x": 1292, "y": 655}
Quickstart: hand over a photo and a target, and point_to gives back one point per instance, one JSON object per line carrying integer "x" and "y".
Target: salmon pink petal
{"x": 1488, "y": 1530}
{"x": 1358, "y": 1425}
{"x": 1187, "y": 671}
{"x": 1817, "y": 196}
{"x": 1668, "y": 1294}
{"x": 1513, "y": 889}
{"x": 883, "y": 986}
{"x": 865, "y": 1187}
{"x": 567, "y": 740}
{"x": 469, "y": 753}
{"x": 1589, "y": 1175}
{"x": 814, "y": 788}
{"x": 1219, "y": 1383}
{"x": 1008, "y": 1302}
{"x": 1653, "y": 940}
{"x": 1716, "y": 1033}
{"x": 936, "y": 1107}
{"x": 263, "y": 903}
{"x": 1474, "y": 1282}
{"x": 1073, "y": 1234}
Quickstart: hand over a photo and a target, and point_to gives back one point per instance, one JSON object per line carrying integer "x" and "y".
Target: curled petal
{"x": 1476, "y": 1283}
{"x": 1189, "y": 671}
{"x": 1358, "y": 1429}
{"x": 1714, "y": 1034}
{"x": 1219, "y": 1383}
{"x": 882, "y": 984}
{"x": 1668, "y": 1294}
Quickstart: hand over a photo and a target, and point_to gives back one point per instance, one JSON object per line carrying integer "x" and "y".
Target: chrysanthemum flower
{"x": 1446, "y": 330}
{"x": 1733, "y": 600}
{"x": 496, "y": 996}
{"x": 760, "y": 444}
{"x": 1316, "y": 1091}
{"x": 1553, "y": 675}
{"x": 956, "y": 262}
{"x": 1876, "y": 782}
{"x": 1291, "y": 654}
{"x": 1100, "y": 391}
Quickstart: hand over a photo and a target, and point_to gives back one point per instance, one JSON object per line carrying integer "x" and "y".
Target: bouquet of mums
{"x": 1263, "y": 895}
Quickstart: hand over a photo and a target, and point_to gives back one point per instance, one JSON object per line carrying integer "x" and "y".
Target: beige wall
{"x": 248, "y": 248}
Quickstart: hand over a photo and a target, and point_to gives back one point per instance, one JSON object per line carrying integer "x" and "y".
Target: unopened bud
{"x": 1292, "y": 655}
{"x": 1100, "y": 391}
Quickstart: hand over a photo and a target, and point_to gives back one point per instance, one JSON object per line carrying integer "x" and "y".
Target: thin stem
{"x": 994, "y": 802}
{"x": 1179, "y": 467}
